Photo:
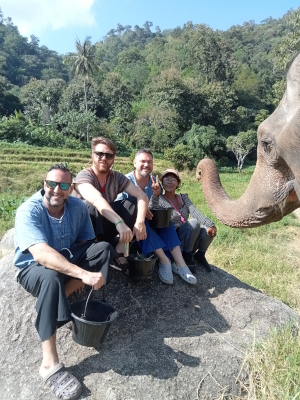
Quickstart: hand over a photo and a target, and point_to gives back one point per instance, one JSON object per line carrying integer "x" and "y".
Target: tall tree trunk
{"x": 85, "y": 97}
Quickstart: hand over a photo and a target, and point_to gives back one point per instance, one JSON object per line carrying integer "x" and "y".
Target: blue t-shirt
{"x": 148, "y": 189}
{"x": 34, "y": 225}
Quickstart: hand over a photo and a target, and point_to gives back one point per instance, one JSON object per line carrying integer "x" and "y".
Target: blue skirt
{"x": 163, "y": 238}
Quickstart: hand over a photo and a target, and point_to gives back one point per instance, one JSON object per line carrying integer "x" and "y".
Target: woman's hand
{"x": 156, "y": 186}
{"x": 149, "y": 215}
{"x": 212, "y": 231}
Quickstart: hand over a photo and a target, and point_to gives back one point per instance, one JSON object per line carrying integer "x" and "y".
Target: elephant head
{"x": 274, "y": 189}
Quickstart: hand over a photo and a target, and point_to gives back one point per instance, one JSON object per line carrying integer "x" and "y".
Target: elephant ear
{"x": 274, "y": 189}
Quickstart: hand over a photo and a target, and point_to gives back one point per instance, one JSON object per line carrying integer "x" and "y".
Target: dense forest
{"x": 187, "y": 92}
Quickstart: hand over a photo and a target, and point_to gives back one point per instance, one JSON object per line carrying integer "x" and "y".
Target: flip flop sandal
{"x": 165, "y": 273}
{"x": 63, "y": 385}
{"x": 184, "y": 273}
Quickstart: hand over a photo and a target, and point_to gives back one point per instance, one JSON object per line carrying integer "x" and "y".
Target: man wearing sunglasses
{"x": 56, "y": 254}
{"x": 99, "y": 185}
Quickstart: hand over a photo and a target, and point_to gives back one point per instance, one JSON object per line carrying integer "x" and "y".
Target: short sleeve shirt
{"x": 115, "y": 183}
{"x": 34, "y": 225}
{"x": 148, "y": 189}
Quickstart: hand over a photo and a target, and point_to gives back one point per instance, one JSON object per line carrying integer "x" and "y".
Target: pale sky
{"x": 57, "y": 23}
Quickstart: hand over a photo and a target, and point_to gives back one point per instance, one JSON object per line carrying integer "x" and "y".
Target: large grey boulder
{"x": 7, "y": 243}
{"x": 169, "y": 342}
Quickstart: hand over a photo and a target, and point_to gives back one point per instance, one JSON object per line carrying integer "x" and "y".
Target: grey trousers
{"x": 49, "y": 286}
{"x": 193, "y": 237}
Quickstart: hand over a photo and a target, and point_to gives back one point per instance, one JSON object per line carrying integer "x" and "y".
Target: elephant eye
{"x": 266, "y": 144}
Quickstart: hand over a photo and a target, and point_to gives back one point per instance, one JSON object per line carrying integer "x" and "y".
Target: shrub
{"x": 181, "y": 156}
{"x": 12, "y": 128}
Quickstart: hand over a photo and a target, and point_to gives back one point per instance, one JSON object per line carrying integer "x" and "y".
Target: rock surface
{"x": 169, "y": 342}
{"x": 7, "y": 243}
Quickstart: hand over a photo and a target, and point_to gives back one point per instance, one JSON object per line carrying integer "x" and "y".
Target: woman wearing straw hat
{"x": 197, "y": 233}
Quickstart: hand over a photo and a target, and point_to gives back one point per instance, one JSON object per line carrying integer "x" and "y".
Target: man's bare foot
{"x": 44, "y": 371}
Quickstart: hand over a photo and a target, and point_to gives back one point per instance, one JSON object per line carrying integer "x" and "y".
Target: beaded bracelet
{"x": 121, "y": 220}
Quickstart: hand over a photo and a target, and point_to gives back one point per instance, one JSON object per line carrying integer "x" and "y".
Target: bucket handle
{"x": 87, "y": 300}
{"x": 86, "y": 303}
{"x": 134, "y": 240}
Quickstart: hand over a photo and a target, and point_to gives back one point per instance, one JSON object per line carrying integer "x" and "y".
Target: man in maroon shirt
{"x": 99, "y": 186}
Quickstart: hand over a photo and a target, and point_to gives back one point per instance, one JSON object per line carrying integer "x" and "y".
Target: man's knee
{"x": 49, "y": 281}
{"x": 100, "y": 247}
{"x": 52, "y": 278}
{"x": 131, "y": 200}
{"x": 105, "y": 248}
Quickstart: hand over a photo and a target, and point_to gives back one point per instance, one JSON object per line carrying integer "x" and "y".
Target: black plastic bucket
{"x": 91, "y": 330}
{"x": 161, "y": 217}
{"x": 141, "y": 269}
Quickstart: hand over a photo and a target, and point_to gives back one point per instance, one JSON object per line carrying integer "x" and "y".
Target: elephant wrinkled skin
{"x": 274, "y": 189}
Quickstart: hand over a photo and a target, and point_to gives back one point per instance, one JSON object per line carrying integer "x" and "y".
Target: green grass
{"x": 8, "y": 206}
{"x": 274, "y": 366}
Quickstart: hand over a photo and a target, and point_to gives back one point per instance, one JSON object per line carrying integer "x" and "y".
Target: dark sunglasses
{"x": 108, "y": 156}
{"x": 62, "y": 185}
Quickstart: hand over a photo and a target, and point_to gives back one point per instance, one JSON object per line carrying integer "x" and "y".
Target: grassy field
{"x": 267, "y": 258}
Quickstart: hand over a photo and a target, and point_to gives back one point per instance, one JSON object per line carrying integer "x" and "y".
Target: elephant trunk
{"x": 269, "y": 197}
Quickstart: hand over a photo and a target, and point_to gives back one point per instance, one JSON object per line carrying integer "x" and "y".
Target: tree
{"x": 117, "y": 96}
{"x": 204, "y": 140}
{"x": 77, "y": 124}
{"x": 290, "y": 44}
{"x": 278, "y": 90}
{"x": 219, "y": 102}
{"x": 8, "y": 101}
{"x": 156, "y": 127}
{"x": 248, "y": 87}
{"x": 261, "y": 116}
{"x": 241, "y": 145}
{"x": 204, "y": 53}
{"x": 133, "y": 68}
{"x": 13, "y": 128}
{"x": 73, "y": 97}
{"x": 83, "y": 63}
{"x": 169, "y": 91}
{"x": 41, "y": 99}
{"x": 244, "y": 118}
{"x": 181, "y": 155}
{"x": 174, "y": 54}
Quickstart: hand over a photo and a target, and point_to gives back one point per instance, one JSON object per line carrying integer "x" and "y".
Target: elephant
{"x": 274, "y": 188}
